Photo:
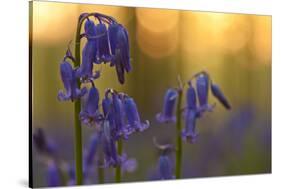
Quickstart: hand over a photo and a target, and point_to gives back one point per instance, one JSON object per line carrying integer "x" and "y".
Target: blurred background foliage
{"x": 235, "y": 49}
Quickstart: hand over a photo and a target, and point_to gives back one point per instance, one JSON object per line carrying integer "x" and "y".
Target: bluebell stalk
{"x": 192, "y": 111}
{"x": 106, "y": 42}
{"x": 167, "y": 114}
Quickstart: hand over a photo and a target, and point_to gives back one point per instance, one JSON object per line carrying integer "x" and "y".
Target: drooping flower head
{"x": 103, "y": 51}
{"x": 132, "y": 115}
{"x": 191, "y": 114}
{"x": 119, "y": 43}
{"x": 202, "y": 84}
{"x": 167, "y": 114}
{"x": 216, "y": 91}
{"x": 89, "y": 53}
{"x": 72, "y": 92}
{"x": 90, "y": 113}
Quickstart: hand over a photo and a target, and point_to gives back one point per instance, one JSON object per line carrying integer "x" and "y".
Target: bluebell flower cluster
{"x": 106, "y": 42}
{"x": 197, "y": 96}
{"x": 118, "y": 119}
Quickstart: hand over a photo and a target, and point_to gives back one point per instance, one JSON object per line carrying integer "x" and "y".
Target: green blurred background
{"x": 234, "y": 49}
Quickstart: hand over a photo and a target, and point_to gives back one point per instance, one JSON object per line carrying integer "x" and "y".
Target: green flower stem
{"x": 118, "y": 168}
{"x": 77, "y": 123}
{"x": 179, "y": 139}
{"x": 101, "y": 175}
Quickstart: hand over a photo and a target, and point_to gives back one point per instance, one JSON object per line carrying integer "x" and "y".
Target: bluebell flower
{"x": 132, "y": 115}
{"x": 89, "y": 53}
{"x": 120, "y": 70}
{"x": 110, "y": 153}
{"x": 72, "y": 92}
{"x": 53, "y": 175}
{"x": 189, "y": 132}
{"x": 103, "y": 52}
{"x": 202, "y": 85}
{"x": 167, "y": 114}
{"x": 108, "y": 112}
{"x": 119, "y": 45}
{"x": 90, "y": 113}
{"x": 191, "y": 115}
{"x": 129, "y": 165}
{"x": 216, "y": 91}
{"x": 119, "y": 116}
{"x": 43, "y": 144}
{"x": 165, "y": 167}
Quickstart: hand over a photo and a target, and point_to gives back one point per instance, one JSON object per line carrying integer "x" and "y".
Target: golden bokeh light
{"x": 262, "y": 39}
{"x": 213, "y": 32}
{"x": 157, "y": 31}
{"x": 53, "y": 22}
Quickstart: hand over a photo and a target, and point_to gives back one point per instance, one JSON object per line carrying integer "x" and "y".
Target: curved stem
{"x": 77, "y": 123}
{"x": 118, "y": 168}
{"x": 179, "y": 139}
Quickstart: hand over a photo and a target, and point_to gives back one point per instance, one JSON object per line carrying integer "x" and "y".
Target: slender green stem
{"x": 179, "y": 139}
{"x": 77, "y": 123}
{"x": 118, "y": 168}
{"x": 101, "y": 175}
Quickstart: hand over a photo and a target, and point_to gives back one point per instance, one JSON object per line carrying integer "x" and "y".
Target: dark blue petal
{"x": 167, "y": 114}
{"x": 90, "y": 113}
{"x": 103, "y": 43}
{"x": 220, "y": 96}
{"x": 189, "y": 132}
{"x": 88, "y": 57}
{"x": 123, "y": 45}
{"x": 120, "y": 70}
{"x": 165, "y": 167}
{"x": 191, "y": 98}
{"x": 119, "y": 115}
{"x": 112, "y": 32}
{"x": 53, "y": 175}
{"x": 107, "y": 106}
{"x": 90, "y": 28}
{"x": 132, "y": 114}
{"x": 202, "y": 84}
{"x": 72, "y": 92}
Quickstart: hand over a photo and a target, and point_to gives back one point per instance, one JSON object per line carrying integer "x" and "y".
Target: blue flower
{"x": 165, "y": 167}
{"x": 53, "y": 174}
{"x": 189, "y": 132}
{"x": 119, "y": 45}
{"x": 167, "y": 114}
{"x": 90, "y": 113}
{"x": 191, "y": 115}
{"x": 103, "y": 52}
{"x": 220, "y": 96}
{"x": 202, "y": 85}
{"x": 132, "y": 115}
{"x": 110, "y": 152}
{"x": 72, "y": 92}
{"x": 43, "y": 144}
{"x": 119, "y": 116}
{"x": 89, "y": 53}
{"x": 108, "y": 112}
